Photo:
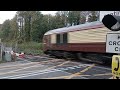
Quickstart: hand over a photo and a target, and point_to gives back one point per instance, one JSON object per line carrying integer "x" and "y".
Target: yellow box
{"x": 116, "y": 65}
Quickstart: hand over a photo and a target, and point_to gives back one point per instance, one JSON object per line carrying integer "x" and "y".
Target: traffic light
{"x": 112, "y": 22}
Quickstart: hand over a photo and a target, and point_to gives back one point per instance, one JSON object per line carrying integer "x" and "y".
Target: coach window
{"x": 58, "y": 38}
{"x": 65, "y": 38}
{"x": 61, "y": 38}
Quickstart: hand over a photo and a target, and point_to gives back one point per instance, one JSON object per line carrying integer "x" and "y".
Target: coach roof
{"x": 95, "y": 24}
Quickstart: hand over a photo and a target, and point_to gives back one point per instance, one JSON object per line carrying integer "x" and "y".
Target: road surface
{"x": 44, "y": 67}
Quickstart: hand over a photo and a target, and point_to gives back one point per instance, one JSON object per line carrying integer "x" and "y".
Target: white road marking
{"x": 38, "y": 73}
{"x": 20, "y": 69}
{"x": 30, "y": 74}
{"x": 48, "y": 70}
{"x": 111, "y": 77}
{"x": 34, "y": 66}
{"x": 66, "y": 68}
{"x": 17, "y": 65}
{"x": 14, "y": 66}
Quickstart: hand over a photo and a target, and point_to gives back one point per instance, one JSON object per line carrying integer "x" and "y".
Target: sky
{"x": 4, "y": 15}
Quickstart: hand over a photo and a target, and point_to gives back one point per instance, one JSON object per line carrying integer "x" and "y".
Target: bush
{"x": 27, "y": 47}
{"x": 31, "y": 48}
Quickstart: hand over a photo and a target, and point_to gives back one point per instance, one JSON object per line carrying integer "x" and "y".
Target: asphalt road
{"x": 44, "y": 67}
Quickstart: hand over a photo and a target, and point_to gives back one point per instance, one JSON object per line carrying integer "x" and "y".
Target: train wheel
{"x": 58, "y": 55}
{"x": 79, "y": 56}
{"x": 65, "y": 55}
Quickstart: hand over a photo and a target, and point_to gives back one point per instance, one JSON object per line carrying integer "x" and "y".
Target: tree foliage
{"x": 6, "y": 30}
{"x": 31, "y": 25}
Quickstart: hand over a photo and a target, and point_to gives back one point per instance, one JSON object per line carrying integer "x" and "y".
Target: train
{"x": 81, "y": 41}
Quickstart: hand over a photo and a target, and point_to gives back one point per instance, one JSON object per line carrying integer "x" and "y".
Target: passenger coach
{"x": 77, "y": 41}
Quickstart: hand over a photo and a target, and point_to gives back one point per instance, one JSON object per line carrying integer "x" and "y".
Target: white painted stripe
{"x": 111, "y": 77}
{"x": 38, "y": 72}
{"x": 73, "y": 67}
{"x": 85, "y": 65}
{"x": 49, "y": 72}
{"x": 30, "y": 74}
{"x": 70, "y": 68}
{"x": 17, "y": 67}
{"x": 21, "y": 69}
{"x": 8, "y": 66}
{"x": 67, "y": 68}
{"x": 14, "y": 66}
{"x": 35, "y": 66}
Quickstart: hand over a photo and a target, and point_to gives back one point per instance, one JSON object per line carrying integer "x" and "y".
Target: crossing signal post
{"x": 112, "y": 22}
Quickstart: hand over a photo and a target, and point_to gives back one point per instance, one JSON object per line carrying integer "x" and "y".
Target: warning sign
{"x": 116, "y": 65}
{"x": 113, "y": 43}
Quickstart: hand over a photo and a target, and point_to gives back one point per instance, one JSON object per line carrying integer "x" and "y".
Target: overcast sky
{"x": 10, "y": 14}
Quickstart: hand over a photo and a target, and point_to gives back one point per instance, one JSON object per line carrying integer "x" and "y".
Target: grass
{"x": 33, "y": 48}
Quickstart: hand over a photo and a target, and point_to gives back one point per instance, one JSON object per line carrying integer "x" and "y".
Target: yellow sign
{"x": 116, "y": 65}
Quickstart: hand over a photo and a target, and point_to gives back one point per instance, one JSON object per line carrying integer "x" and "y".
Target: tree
{"x": 6, "y": 28}
{"x": 82, "y": 19}
{"x": 93, "y": 16}
{"x": 64, "y": 16}
{"x": 28, "y": 17}
{"x": 32, "y": 25}
{"x": 74, "y": 17}
{"x": 37, "y": 27}
{"x": 14, "y": 29}
{"x": 59, "y": 21}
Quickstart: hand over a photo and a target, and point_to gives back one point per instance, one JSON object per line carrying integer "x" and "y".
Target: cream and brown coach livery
{"x": 77, "y": 41}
